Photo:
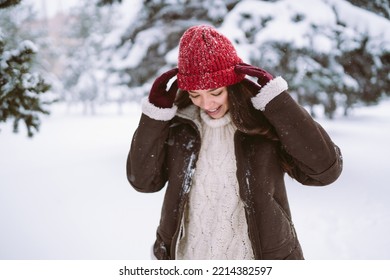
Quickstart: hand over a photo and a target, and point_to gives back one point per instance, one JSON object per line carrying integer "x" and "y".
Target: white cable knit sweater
{"x": 214, "y": 225}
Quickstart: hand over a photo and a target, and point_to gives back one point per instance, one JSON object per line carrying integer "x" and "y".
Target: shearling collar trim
{"x": 191, "y": 113}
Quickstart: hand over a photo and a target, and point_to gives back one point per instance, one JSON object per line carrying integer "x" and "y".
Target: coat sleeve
{"x": 145, "y": 166}
{"x": 316, "y": 160}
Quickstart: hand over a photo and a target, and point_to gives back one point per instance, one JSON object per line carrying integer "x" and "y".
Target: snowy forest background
{"x": 334, "y": 53}
{"x": 81, "y": 74}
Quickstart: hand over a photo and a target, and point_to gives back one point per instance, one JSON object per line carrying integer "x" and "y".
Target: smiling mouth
{"x": 214, "y": 111}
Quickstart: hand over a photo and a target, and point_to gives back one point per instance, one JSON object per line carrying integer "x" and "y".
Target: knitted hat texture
{"x": 206, "y": 60}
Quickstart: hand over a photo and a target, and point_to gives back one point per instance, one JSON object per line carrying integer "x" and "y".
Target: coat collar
{"x": 192, "y": 114}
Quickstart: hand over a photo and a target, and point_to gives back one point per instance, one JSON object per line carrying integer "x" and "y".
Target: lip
{"x": 215, "y": 112}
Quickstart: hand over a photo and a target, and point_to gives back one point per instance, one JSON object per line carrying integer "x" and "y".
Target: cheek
{"x": 220, "y": 100}
{"x": 224, "y": 101}
{"x": 196, "y": 101}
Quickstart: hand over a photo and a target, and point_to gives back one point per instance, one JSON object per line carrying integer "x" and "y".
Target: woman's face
{"x": 213, "y": 101}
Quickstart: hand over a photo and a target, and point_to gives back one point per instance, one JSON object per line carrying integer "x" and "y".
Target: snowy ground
{"x": 64, "y": 193}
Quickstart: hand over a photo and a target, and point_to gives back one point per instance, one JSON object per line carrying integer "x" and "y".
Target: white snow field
{"x": 64, "y": 193}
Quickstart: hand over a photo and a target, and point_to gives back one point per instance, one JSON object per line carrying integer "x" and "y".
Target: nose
{"x": 207, "y": 103}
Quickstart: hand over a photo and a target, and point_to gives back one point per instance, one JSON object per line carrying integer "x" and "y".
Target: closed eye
{"x": 217, "y": 94}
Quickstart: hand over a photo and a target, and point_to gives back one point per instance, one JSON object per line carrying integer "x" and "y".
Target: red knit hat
{"x": 206, "y": 60}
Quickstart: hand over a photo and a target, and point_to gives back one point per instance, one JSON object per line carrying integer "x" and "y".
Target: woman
{"x": 222, "y": 144}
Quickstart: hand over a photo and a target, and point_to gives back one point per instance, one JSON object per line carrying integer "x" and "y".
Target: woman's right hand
{"x": 159, "y": 96}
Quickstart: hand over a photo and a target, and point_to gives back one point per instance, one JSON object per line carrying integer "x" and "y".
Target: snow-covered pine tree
{"x": 334, "y": 55}
{"x": 331, "y": 59}
{"x": 85, "y": 68}
{"x": 381, "y": 7}
{"x": 8, "y": 3}
{"x": 22, "y": 89}
{"x": 107, "y": 2}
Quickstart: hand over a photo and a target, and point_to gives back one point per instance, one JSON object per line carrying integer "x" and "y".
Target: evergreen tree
{"x": 381, "y": 7}
{"x": 330, "y": 62}
{"x": 108, "y": 2}
{"x": 353, "y": 68}
{"x": 85, "y": 68}
{"x": 8, "y": 3}
{"x": 22, "y": 88}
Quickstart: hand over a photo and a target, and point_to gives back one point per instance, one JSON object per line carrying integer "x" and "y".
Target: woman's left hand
{"x": 263, "y": 77}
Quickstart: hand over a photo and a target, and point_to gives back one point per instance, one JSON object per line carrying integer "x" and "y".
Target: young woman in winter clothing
{"x": 221, "y": 144}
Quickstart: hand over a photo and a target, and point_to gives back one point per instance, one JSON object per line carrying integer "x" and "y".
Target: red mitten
{"x": 263, "y": 77}
{"x": 159, "y": 96}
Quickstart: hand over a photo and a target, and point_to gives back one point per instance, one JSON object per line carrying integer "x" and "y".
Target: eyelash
{"x": 216, "y": 94}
